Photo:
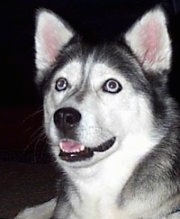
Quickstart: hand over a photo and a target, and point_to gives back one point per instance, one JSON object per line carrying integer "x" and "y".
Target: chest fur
{"x": 98, "y": 188}
{"x": 97, "y": 193}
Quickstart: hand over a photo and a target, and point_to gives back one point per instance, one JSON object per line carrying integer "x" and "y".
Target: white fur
{"x": 149, "y": 40}
{"x": 44, "y": 211}
{"x": 173, "y": 216}
{"x": 99, "y": 185}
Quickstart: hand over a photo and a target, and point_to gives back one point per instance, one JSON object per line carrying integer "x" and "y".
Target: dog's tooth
{"x": 82, "y": 148}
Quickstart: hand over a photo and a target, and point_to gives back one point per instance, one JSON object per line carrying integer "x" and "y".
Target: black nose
{"x": 66, "y": 118}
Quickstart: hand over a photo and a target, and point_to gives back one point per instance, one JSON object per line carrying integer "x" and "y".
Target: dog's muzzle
{"x": 66, "y": 120}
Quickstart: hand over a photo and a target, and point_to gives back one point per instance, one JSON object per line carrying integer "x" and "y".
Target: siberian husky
{"x": 111, "y": 124}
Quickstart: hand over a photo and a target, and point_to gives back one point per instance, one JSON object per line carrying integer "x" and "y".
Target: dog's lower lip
{"x": 105, "y": 146}
{"x": 87, "y": 153}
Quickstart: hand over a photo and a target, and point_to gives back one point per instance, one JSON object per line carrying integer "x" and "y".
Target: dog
{"x": 111, "y": 123}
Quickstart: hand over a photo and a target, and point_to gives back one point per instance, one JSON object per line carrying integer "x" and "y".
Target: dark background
{"x": 20, "y": 122}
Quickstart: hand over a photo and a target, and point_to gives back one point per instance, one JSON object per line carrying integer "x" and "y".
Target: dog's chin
{"x": 72, "y": 151}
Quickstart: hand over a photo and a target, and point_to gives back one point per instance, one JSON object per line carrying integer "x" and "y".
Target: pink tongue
{"x": 69, "y": 146}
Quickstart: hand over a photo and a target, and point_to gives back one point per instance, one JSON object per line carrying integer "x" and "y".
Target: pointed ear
{"x": 150, "y": 42}
{"x": 50, "y": 36}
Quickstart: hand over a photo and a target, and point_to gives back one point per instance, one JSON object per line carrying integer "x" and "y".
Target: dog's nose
{"x": 66, "y": 118}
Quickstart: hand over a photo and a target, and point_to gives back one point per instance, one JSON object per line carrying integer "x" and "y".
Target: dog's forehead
{"x": 88, "y": 60}
{"x": 88, "y": 71}
{"x": 82, "y": 64}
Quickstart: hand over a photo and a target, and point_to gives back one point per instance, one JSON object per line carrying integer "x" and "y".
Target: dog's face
{"x": 98, "y": 100}
{"x": 90, "y": 109}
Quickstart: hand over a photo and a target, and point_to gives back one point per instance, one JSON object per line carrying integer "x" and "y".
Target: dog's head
{"x": 101, "y": 99}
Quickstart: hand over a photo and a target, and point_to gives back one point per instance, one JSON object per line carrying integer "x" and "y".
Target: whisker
{"x": 32, "y": 115}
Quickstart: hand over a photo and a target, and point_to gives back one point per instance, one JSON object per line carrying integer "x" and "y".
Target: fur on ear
{"x": 51, "y": 35}
{"x": 149, "y": 40}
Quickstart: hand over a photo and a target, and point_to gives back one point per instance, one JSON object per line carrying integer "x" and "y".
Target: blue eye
{"x": 61, "y": 84}
{"x": 112, "y": 86}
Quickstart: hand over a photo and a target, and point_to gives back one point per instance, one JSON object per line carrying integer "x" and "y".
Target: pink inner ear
{"x": 151, "y": 41}
{"x": 51, "y": 42}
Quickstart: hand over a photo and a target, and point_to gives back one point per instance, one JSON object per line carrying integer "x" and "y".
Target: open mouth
{"x": 72, "y": 151}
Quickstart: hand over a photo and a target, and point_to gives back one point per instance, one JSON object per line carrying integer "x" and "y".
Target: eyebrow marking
{"x": 86, "y": 70}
